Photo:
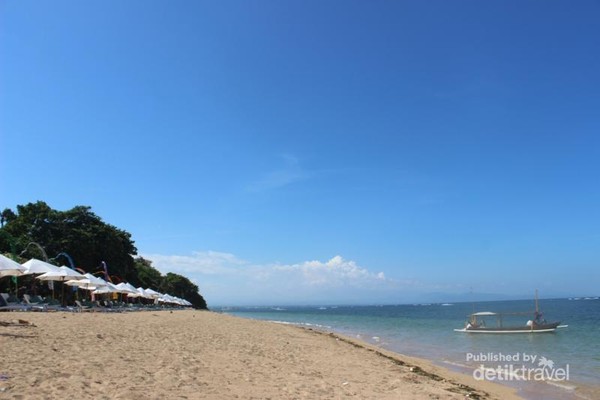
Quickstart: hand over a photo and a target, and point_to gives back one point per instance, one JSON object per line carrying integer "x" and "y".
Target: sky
{"x": 317, "y": 152}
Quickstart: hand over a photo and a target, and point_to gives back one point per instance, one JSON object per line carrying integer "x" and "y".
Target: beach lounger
{"x": 106, "y": 307}
{"x": 5, "y": 305}
{"x": 34, "y": 306}
{"x": 84, "y": 307}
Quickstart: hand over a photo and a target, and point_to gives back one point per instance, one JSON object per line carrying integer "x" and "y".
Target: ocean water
{"x": 560, "y": 365}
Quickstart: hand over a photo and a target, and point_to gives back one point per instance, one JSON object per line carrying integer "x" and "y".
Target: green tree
{"x": 180, "y": 286}
{"x": 147, "y": 276}
{"x": 31, "y": 223}
{"x": 77, "y": 232}
{"x": 89, "y": 242}
{"x": 6, "y": 216}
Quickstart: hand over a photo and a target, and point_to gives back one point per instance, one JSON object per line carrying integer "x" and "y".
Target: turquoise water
{"x": 426, "y": 330}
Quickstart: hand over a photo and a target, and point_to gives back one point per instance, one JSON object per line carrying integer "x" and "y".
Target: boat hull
{"x": 544, "y": 328}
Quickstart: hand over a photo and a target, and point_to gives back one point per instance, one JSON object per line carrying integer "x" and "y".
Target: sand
{"x": 206, "y": 355}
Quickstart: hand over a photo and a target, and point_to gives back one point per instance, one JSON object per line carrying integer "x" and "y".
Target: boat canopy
{"x": 482, "y": 313}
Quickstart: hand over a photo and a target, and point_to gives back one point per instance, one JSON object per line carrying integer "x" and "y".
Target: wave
{"x": 308, "y": 324}
{"x": 562, "y": 385}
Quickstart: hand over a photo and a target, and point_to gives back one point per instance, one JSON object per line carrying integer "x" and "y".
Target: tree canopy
{"x": 80, "y": 236}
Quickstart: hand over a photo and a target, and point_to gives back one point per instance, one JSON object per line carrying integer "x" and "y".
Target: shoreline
{"x": 527, "y": 390}
{"x": 461, "y": 383}
{"x": 207, "y": 355}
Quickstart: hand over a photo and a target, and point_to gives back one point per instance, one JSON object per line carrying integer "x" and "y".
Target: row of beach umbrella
{"x": 68, "y": 276}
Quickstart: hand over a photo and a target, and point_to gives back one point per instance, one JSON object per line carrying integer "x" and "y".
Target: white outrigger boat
{"x": 477, "y": 323}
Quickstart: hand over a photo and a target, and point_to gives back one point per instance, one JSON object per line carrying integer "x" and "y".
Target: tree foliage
{"x": 181, "y": 286}
{"x": 77, "y": 232}
{"x": 81, "y": 236}
{"x": 147, "y": 275}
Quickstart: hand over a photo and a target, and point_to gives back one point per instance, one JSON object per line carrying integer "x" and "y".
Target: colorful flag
{"x": 106, "y": 276}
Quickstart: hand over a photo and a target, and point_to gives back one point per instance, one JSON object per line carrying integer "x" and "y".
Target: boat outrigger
{"x": 477, "y": 322}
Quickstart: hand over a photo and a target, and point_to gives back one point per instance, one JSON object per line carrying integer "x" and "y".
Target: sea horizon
{"x": 408, "y": 303}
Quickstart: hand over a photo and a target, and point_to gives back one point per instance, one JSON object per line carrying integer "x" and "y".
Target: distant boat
{"x": 477, "y": 322}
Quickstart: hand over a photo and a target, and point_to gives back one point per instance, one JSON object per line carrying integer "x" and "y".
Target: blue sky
{"x": 317, "y": 151}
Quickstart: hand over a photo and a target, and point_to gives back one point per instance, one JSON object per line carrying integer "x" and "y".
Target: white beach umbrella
{"x": 166, "y": 298}
{"x": 139, "y": 292}
{"x": 10, "y": 267}
{"x": 62, "y": 275}
{"x": 143, "y": 293}
{"x": 35, "y": 266}
{"x": 90, "y": 282}
{"x": 108, "y": 288}
{"x": 178, "y": 301}
{"x": 183, "y": 302}
{"x": 126, "y": 288}
{"x": 152, "y": 293}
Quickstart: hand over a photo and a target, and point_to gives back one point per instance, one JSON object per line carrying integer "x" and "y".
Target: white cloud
{"x": 335, "y": 272}
{"x": 200, "y": 262}
{"x": 223, "y": 278}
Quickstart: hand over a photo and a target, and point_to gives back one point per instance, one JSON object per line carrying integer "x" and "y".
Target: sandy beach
{"x": 206, "y": 355}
